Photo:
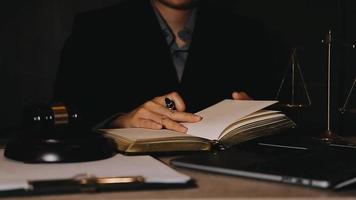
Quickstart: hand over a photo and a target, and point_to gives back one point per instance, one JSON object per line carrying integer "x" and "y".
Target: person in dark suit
{"x": 120, "y": 63}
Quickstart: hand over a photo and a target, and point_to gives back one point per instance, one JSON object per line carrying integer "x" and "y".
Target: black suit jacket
{"x": 117, "y": 58}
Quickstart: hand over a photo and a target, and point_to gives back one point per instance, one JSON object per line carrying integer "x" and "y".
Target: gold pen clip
{"x": 89, "y": 179}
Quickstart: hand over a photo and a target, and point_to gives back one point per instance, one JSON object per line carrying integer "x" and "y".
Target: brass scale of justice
{"x": 329, "y": 135}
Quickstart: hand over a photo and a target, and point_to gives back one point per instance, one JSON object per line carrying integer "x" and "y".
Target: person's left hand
{"x": 240, "y": 96}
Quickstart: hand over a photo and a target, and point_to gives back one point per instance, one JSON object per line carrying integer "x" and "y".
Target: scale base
{"x": 329, "y": 136}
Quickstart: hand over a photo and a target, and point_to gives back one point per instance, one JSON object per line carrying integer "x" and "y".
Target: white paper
{"x": 219, "y": 116}
{"x": 14, "y": 175}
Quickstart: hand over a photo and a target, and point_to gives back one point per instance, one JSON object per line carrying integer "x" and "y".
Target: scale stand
{"x": 330, "y": 136}
{"x": 291, "y": 101}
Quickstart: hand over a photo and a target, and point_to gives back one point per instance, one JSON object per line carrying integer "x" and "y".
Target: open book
{"x": 224, "y": 124}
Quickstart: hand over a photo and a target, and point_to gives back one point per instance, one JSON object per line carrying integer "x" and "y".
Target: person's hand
{"x": 154, "y": 114}
{"x": 240, "y": 96}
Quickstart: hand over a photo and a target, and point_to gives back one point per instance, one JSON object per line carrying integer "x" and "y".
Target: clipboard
{"x": 119, "y": 173}
{"x": 92, "y": 185}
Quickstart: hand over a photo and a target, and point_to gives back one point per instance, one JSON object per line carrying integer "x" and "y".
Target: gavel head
{"x": 53, "y": 133}
{"x": 41, "y": 118}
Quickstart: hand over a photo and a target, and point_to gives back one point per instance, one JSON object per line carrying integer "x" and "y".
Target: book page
{"x": 142, "y": 134}
{"x": 219, "y": 116}
{"x": 254, "y": 122}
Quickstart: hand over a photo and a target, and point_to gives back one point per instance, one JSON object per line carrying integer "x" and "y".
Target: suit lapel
{"x": 157, "y": 44}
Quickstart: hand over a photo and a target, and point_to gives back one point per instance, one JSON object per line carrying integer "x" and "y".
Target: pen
{"x": 170, "y": 104}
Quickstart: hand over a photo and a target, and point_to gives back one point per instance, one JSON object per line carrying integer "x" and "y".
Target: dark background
{"x": 32, "y": 34}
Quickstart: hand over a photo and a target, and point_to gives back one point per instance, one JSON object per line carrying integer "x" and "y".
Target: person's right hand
{"x": 154, "y": 114}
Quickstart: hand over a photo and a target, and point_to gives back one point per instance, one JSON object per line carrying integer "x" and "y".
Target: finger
{"x": 161, "y": 120}
{"x": 146, "y": 123}
{"x": 180, "y": 116}
{"x": 240, "y": 96}
{"x": 148, "y": 113}
{"x": 245, "y": 96}
{"x": 139, "y": 118}
{"x": 175, "y": 115}
{"x": 172, "y": 125}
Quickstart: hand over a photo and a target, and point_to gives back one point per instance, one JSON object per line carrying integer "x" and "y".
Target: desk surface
{"x": 214, "y": 186}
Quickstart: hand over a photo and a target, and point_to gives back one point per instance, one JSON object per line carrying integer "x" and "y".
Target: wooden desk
{"x": 214, "y": 186}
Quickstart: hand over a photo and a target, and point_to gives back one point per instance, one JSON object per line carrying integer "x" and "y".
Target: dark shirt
{"x": 179, "y": 54}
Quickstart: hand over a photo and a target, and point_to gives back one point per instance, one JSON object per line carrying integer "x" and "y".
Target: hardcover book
{"x": 224, "y": 124}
